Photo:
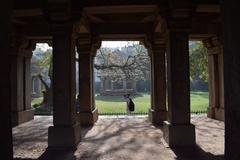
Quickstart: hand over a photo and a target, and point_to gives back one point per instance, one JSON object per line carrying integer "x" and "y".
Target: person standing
{"x": 128, "y": 99}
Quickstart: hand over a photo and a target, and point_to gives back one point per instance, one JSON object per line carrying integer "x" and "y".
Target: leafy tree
{"x": 131, "y": 62}
{"x": 45, "y": 65}
{"x": 198, "y": 61}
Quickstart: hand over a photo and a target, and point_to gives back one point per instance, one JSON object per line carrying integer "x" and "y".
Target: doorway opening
{"x": 122, "y": 67}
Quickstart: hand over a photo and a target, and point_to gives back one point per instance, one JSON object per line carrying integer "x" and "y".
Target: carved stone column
{"x": 178, "y": 130}
{"x": 215, "y": 81}
{"x": 5, "y": 84}
{"x": 231, "y": 58}
{"x": 65, "y": 132}
{"x": 112, "y": 85}
{"x": 124, "y": 84}
{"x": 158, "y": 112}
{"x": 102, "y": 85}
{"x": 88, "y": 114}
{"x": 21, "y": 52}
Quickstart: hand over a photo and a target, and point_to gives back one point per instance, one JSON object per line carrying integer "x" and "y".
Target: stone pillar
{"x": 158, "y": 112}
{"x": 231, "y": 58}
{"x": 39, "y": 86}
{"x": 112, "y": 85}
{"x": 178, "y": 131}
{"x": 215, "y": 81}
{"x": 124, "y": 84}
{"x": 21, "y": 82}
{"x": 27, "y": 83}
{"x": 102, "y": 87}
{"x": 5, "y": 85}
{"x": 88, "y": 114}
{"x": 65, "y": 132}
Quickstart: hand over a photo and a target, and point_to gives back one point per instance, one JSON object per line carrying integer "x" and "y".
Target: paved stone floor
{"x": 120, "y": 138}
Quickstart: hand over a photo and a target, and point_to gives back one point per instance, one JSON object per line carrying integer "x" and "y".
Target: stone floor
{"x": 120, "y": 138}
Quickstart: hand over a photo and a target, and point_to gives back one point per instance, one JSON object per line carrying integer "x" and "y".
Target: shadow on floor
{"x": 54, "y": 155}
{"x": 195, "y": 153}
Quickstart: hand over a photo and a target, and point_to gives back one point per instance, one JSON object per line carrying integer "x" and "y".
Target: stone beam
{"x": 122, "y": 28}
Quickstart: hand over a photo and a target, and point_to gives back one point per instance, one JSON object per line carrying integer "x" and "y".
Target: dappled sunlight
{"x": 130, "y": 138}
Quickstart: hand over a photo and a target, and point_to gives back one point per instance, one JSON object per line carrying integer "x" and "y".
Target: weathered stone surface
{"x": 179, "y": 135}
{"x": 231, "y": 58}
{"x": 178, "y": 126}
{"x": 126, "y": 138}
{"x": 215, "y": 80}
{"x": 6, "y": 151}
{"x": 88, "y": 113}
{"x": 88, "y": 118}
{"x": 157, "y": 117}
{"x": 157, "y": 112}
{"x": 64, "y": 137}
{"x": 20, "y": 117}
{"x": 65, "y": 131}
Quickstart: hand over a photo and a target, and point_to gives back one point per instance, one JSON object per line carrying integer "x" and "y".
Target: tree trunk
{"x": 47, "y": 94}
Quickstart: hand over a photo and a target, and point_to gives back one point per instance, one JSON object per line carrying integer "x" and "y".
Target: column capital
{"x": 87, "y": 44}
{"x": 179, "y": 15}
{"x": 156, "y": 44}
{"x": 84, "y": 45}
{"x": 22, "y": 46}
{"x": 61, "y": 11}
{"x": 96, "y": 44}
{"x": 213, "y": 45}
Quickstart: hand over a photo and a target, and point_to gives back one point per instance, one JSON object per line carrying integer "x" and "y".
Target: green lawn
{"x": 36, "y": 101}
{"x": 199, "y": 102}
{"x": 109, "y": 104}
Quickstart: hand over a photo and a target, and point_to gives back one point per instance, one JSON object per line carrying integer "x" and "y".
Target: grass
{"x": 113, "y": 104}
{"x": 199, "y": 101}
{"x": 36, "y": 101}
{"x": 108, "y": 104}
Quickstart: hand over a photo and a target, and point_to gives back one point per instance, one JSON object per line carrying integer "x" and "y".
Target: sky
{"x": 117, "y": 44}
{"x": 109, "y": 44}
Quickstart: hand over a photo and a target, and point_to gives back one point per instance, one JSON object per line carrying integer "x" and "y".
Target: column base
{"x": 22, "y": 116}
{"x": 157, "y": 117}
{"x": 179, "y": 135}
{"x": 88, "y": 118}
{"x": 64, "y": 137}
{"x": 216, "y": 113}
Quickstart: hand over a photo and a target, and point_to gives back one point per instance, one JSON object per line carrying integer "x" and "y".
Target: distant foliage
{"x": 131, "y": 62}
{"x": 198, "y": 61}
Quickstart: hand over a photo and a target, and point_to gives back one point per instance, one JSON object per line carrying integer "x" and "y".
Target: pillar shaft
{"x": 102, "y": 87}
{"x": 178, "y": 78}
{"x": 85, "y": 85}
{"x": 27, "y": 82}
{"x": 64, "y": 107}
{"x": 112, "y": 85}
{"x": 215, "y": 80}
{"x": 88, "y": 114}
{"x": 21, "y": 81}
{"x": 63, "y": 78}
{"x": 158, "y": 80}
{"x": 178, "y": 131}
{"x": 231, "y": 78}
{"x": 124, "y": 84}
{"x": 17, "y": 83}
{"x": 5, "y": 85}
{"x": 157, "y": 112}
